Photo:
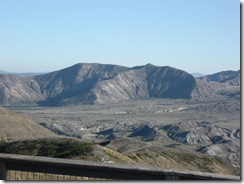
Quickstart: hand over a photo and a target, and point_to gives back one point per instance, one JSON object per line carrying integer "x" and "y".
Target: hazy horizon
{"x": 42, "y": 72}
{"x": 197, "y": 36}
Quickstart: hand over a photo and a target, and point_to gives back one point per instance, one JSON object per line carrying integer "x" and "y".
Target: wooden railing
{"x": 43, "y": 168}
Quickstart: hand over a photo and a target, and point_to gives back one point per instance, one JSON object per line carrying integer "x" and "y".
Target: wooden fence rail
{"x": 34, "y": 164}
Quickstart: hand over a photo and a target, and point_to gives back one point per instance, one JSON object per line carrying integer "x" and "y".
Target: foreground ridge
{"x": 97, "y": 170}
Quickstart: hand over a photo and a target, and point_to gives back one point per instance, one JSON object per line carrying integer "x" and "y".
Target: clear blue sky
{"x": 192, "y": 35}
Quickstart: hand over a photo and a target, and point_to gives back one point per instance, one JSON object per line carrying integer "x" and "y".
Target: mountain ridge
{"x": 229, "y": 77}
{"x": 94, "y": 83}
{"x": 88, "y": 83}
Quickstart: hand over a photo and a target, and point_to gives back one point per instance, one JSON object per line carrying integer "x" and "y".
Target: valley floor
{"x": 139, "y": 128}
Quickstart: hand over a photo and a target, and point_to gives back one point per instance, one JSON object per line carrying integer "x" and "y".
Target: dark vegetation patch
{"x": 104, "y": 143}
{"x": 173, "y": 145}
{"x": 57, "y": 148}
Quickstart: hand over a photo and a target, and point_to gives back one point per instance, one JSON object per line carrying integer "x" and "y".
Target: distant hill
{"x": 19, "y": 90}
{"x": 225, "y": 83}
{"x": 228, "y": 77}
{"x": 96, "y": 83}
{"x": 15, "y": 127}
{"x": 198, "y": 75}
{"x": 21, "y": 74}
{"x": 3, "y": 72}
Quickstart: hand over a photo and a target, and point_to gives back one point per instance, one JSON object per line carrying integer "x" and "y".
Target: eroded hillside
{"x": 209, "y": 127}
{"x": 96, "y": 83}
{"x": 15, "y": 127}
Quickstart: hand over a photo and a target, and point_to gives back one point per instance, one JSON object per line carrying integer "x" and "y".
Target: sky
{"x": 192, "y": 35}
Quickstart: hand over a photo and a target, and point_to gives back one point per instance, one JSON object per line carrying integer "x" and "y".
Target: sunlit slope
{"x": 18, "y": 90}
{"x": 15, "y": 127}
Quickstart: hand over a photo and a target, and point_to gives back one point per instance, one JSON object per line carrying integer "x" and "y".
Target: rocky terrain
{"x": 138, "y": 144}
{"x": 144, "y": 115}
{"x": 198, "y": 126}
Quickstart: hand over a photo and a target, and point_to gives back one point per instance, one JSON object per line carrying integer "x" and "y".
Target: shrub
{"x": 58, "y": 148}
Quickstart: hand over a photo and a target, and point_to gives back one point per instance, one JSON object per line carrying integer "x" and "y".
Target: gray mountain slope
{"x": 228, "y": 77}
{"x": 96, "y": 83}
{"x": 18, "y": 90}
{"x": 225, "y": 83}
{"x": 135, "y": 83}
{"x": 100, "y": 83}
{"x": 74, "y": 83}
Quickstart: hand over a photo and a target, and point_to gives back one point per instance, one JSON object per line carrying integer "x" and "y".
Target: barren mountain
{"x": 100, "y": 83}
{"x": 227, "y": 77}
{"x": 225, "y": 83}
{"x": 145, "y": 82}
{"x": 18, "y": 90}
{"x": 96, "y": 83}
{"x": 15, "y": 127}
{"x": 73, "y": 84}
{"x": 205, "y": 89}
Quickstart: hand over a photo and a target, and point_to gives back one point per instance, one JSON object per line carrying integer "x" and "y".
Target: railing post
{"x": 3, "y": 170}
{"x": 173, "y": 177}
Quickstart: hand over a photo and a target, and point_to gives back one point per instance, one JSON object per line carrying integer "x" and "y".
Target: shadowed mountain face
{"x": 145, "y": 132}
{"x": 145, "y": 82}
{"x": 97, "y": 83}
{"x": 166, "y": 82}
